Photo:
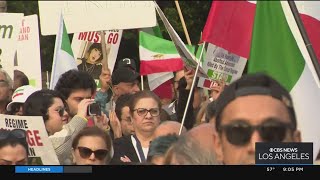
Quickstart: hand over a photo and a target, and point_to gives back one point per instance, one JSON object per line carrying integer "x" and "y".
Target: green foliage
{"x": 194, "y": 13}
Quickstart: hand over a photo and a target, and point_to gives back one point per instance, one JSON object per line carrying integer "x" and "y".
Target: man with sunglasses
{"x": 13, "y": 147}
{"x": 255, "y": 108}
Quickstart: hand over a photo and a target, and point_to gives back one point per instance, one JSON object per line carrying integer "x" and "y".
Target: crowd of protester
{"x": 136, "y": 127}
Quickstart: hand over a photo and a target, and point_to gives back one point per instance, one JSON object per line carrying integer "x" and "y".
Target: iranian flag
{"x": 278, "y": 49}
{"x": 159, "y": 83}
{"x": 229, "y": 25}
{"x": 157, "y": 55}
{"x": 63, "y": 59}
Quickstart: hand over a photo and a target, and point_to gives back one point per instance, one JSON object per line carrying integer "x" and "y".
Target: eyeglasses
{"x": 15, "y": 107}
{"x": 16, "y": 133}
{"x": 143, "y": 111}
{"x": 86, "y": 153}
{"x": 239, "y": 133}
{"x": 61, "y": 111}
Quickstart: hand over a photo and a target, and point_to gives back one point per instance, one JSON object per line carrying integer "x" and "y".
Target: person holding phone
{"x": 77, "y": 89}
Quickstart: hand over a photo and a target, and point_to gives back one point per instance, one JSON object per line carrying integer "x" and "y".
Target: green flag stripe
{"x": 157, "y": 31}
{"x": 273, "y": 47}
{"x": 159, "y": 45}
{"x": 200, "y": 46}
{"x": 65, "y": 44}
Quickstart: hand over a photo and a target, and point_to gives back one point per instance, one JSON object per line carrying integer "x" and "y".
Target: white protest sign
{"x": 28, "y": 50}
{"x": 41, "y": 151}
{"x": 82, "y": 41}
{"x": 85, "y": 16}
{"x": 9, "y": 29}
{"x": 219, "y": 64}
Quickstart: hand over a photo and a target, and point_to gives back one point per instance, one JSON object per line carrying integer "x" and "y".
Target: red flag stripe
{"x": 164, "y": 65}
{"x": 18, "y": 94}
{"x": 229, "y": 25}
{"x": 312, "y": 26}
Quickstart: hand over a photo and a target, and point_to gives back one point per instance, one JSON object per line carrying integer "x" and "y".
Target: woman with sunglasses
{"x": 145, "y": 112}
{"x": 52, "y": 107}
{"x": 92, "y": 146}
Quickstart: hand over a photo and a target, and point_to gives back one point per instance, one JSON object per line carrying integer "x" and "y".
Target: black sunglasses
{"x": 16, "y": 133}
{"x": 61, "y": 111}
{"x": 15, "y": 107}
{"x": 239, "y": 133}
{"x": 143, "y": 111}
{"x": 86, "y": 153}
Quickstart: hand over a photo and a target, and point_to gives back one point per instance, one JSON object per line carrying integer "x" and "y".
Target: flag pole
{"x": 191, "y": 91}
{"x": 141, "y": 82}
{"x": 305, "y": 37}
{"x": 47, "y": 83}
{"x": 104, "y": 51}
{"x": 183, "y": 23}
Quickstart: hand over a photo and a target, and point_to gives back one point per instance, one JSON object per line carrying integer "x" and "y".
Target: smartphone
{"x": 94, "y": 109}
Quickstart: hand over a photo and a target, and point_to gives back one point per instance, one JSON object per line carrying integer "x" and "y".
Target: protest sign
{"x": 41, "y": 151}
{"x": 84, "y": 16}
{"x": 81, "y": 44}
{"x": 28, "y": 50}
{"x": 9, "y": 29}
{"x": 219, "y": 64}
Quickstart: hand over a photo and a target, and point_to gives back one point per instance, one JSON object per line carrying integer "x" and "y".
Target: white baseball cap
{"x": 21, "y": 94}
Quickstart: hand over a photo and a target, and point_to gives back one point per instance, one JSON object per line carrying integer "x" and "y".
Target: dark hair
{"x": 211, "y": 111}
{"x": 143, "y": 94}
{"x": 95, "y": 131}
{"x": 75, "y": 80}
{"x": 13, "y": 140}
{"x": 20, "y": 78}
{"x": 96, "y": 46}
{"x": 164, "y": 115}
{"x": 253, "y": 84}
{"x": 122, "y": 101}
{"x": 38, "y": 103}
{"x": 160, "y": 145}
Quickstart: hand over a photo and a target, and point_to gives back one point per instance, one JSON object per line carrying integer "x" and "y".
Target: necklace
{"x": 88, "y": 69}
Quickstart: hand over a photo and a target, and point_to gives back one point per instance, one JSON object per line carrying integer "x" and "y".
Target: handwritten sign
{"x": 219, "y": 64}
